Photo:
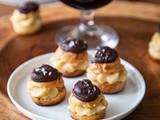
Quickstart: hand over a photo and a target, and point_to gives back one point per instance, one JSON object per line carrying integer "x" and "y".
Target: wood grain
{"x": 133, "y": 25}
{"x": 5, "y": 10}
{"x": 150, "y": 1}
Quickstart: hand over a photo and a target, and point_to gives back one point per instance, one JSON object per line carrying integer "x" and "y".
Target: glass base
{"x": 100, "y": 35}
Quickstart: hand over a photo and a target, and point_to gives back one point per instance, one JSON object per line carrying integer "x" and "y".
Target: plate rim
{"x": 30, "y": 114}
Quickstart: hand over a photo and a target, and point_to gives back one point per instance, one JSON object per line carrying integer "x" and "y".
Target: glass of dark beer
{"x": 94, "y": 34}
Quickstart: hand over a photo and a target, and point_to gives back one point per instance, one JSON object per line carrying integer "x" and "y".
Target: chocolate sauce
{"x": 45, "y": 73}
{"x": 74, "y": 45}
{"x": 104, "y": 55}
{"x": 28, "y": 7}
{"x": 85, "y": 91}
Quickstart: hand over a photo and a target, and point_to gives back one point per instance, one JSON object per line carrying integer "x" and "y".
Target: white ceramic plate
{"x": 120, "y": 104}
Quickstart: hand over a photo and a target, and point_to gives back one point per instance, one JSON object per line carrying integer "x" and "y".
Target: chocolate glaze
{"x": 104, "y": 55}
{"x": 28, "y": 7}
{"x": 45, "y": 73}
{"x": 74, "y": 45}
{"x": 85, "y": 91}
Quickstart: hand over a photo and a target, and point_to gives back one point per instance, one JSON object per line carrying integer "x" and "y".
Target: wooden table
{"x": 135, "y": 23}
{"x": 5, "y": 10}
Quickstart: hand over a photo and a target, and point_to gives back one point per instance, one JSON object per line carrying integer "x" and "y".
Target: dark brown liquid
{"x": 86, "y": 4}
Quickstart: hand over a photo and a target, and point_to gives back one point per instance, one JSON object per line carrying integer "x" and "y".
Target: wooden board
{"x": 135, "y": 23}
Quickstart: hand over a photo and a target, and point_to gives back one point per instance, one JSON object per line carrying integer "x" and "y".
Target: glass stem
{"x": 87, "y": 21}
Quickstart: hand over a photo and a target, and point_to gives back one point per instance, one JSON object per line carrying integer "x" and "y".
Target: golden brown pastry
{"x": 71, "y": 58}
{"x": 154, "y": 46}
{"x": 86, "y": 102}
{"x": 26, "y": 19}
{"x": 46, "y": 86}
{"x": 106, "y": 70}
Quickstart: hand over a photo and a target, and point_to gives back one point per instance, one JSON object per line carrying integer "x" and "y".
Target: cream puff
{"x": 71, "y": 58}
{"x": 154, "y": 46}
{"x": 106, "y": 70}
{"x": 26, "y": 19}
{"x": 46, "y": 86}
{"x": 86, "y": 102}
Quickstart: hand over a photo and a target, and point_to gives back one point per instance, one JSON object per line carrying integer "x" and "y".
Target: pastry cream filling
{"x": 43, "y": 93}
{"x": 80, "y": 110}
{"x": 28, "y": 20}
{"x": 154, "y": 48}
{"x": 110, "y": 78}
{"x": 70, "y": 67}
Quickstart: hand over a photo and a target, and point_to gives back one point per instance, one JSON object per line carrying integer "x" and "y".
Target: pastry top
{"x": 76, "y": 102}
{"x": 104, "y": 55}
{"x": 58, "y": 83}
{"x": 70, "y": 57}
{"x": 156, "y": 35}
{"x": 45, "y": 73}
{"x": 85, "y": 91}
{"x": 107, "y": 68}
{"x": 28, "y": 7}
{"x": 74, "y": 46}
{"x": 154, "y": 45}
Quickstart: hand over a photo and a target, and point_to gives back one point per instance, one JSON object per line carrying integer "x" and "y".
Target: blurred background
{"x": 7, "y": 6}
{"x": 17, "y": 2}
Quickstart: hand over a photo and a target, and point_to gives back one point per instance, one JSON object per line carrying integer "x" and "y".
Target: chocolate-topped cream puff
{"x": 106, "y": 70}
{"x": 46, "y": 86}
{"x": 26, "y": 19}
{"x": 71, "y": 57}
{"x": 86, "y": 102}
{"x": 154, "y": 45}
